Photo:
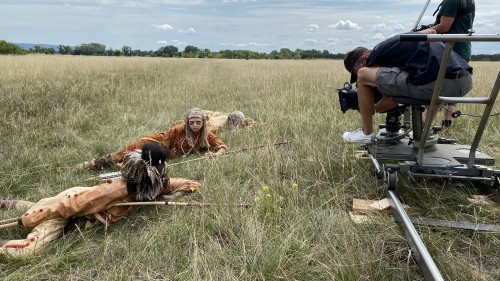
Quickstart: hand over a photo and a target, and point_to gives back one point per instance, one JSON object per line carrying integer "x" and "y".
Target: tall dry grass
{"x": 57, "y": 111}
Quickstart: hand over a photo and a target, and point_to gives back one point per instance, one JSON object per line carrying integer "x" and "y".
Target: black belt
{"x": 456, "y": 74}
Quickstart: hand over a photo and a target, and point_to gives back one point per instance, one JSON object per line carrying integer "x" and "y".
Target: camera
{"x": 348, "y": 98}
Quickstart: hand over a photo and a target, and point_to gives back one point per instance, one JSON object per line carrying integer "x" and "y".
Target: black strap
{"x": 439, "y": 7}
{"x": 469, "y": 8}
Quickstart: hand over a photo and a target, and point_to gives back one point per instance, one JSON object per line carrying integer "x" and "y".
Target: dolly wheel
{"x": 496, "y": 183}
{"x": 392, "y": 180}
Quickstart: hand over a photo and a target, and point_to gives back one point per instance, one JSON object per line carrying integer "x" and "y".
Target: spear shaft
{"x": 189, "y": 204}
{"x": 105, "y": 176}
{"x": 8, "y": 220}
{"x": 7, "y": 225}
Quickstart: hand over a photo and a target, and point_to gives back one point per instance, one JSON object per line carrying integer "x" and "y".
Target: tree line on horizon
{"x": 96, "y": 49}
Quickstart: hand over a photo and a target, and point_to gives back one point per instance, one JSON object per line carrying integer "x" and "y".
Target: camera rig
{"x": 410, "y": 147}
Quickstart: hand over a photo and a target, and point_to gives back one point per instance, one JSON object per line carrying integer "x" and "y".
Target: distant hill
{"x": 28, "y": 46}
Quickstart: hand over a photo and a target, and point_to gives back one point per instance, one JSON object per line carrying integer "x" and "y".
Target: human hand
{"x": 215, "y": 154}
{"x": 210, "y": 154}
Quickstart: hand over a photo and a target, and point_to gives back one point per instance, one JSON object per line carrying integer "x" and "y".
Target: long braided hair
{"x": 145, "y": 171}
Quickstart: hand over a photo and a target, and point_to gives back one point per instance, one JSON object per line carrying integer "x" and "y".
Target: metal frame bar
{"x": 434, "y": 101}
{"x": 450, "y": 40}
{"x": 422, "y": 14}
{"x": 424, "y": 259}
{"x": 484, "y": 120}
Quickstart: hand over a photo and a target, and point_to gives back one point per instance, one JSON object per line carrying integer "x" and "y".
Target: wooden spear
{"x": 8, "y": 220}
{"x": 189, "y": 204}
{"x": 7, "y": 225}
{"x": 106, "y": 176}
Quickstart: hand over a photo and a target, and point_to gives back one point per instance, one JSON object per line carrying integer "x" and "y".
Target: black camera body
{"x": 348, "y": 98}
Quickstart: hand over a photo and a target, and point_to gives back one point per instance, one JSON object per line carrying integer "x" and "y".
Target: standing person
{"x": 144, "y": 178}
{"x": 401, "y": 68}
{"x": 188, "y": 137}
{"x": 454, "y": 17}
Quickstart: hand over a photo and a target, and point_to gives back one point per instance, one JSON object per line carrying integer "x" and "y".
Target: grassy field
{"x": 57, "y": 111}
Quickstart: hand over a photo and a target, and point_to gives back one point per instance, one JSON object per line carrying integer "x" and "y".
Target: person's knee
{"x": 365, "y": 77}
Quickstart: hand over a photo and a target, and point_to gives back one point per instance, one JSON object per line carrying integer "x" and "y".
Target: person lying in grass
{"x": 190, "y": 136}
{"x": 217, "y": 120}
{"x": 144, "y": 178}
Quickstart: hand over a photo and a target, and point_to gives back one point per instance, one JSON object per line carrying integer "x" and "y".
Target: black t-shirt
{"x": 421, "y": 59}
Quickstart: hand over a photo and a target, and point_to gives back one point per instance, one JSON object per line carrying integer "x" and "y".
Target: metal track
{"x": 424, "y": 259}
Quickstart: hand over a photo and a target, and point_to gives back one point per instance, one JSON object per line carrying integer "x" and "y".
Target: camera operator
{"x": 454, "y": 17}
{"x": 401, "y": 68}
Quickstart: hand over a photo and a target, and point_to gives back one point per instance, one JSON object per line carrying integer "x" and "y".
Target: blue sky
{"x": 257, "y": 25}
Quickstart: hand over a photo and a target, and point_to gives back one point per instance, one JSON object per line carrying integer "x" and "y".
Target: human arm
{"x": 180, "y": 184}
{"x": 443, "y": 26}
{"x": 163, "y": 139}
{"x": 217, "y": 146}
{"x": 445, "y": 18}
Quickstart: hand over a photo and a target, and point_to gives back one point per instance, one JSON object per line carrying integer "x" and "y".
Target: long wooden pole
{"x": 189, "y": 204}
{"x": 106, "y": 176}
{"x": 7, "y": 225}
{"x": 8, "y": 220}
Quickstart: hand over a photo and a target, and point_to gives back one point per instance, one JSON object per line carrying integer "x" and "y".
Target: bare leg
{"x": 447, "y": 117}
{"x": 39, "y": 237}
{"x": 386, "y": 103}
{"x": 365, "y": 83}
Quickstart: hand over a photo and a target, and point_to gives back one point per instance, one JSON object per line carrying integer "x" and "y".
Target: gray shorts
{"x": 392, "y": 81}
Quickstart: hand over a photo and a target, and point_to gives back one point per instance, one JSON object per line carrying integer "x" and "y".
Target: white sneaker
{"x": 358, "y": 136}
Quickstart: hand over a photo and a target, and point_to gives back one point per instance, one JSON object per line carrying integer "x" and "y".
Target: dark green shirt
{"x": 461, "y": 24}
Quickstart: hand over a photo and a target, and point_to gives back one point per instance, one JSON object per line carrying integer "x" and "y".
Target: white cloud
{"x": 376, "y": 36}
{"x": 250, "y": 44}
{"x": 345, "y": 25}
{"x": 163, "y": 26}
{"x": 399, "y": 28}
{"x": 258, "y": 44}
{"x": 237, "y": 1}
{"x": 310, "y": 42}
{"x": 311, "y": 28}
{"x": 332, "y": 41}
{"x": 189, "y": 30}
{"x": 238, "y": 21}
{"x": 483, "y": 23}
{"x": 173, "y": 42}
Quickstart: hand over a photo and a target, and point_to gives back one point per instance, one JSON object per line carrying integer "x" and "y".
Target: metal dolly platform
{"x": 418, "y": 151}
